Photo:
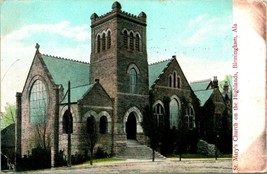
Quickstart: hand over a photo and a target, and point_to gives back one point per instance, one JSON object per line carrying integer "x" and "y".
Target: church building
{"x": 113, "y": 90}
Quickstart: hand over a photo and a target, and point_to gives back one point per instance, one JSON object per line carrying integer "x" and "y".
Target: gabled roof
{"x": 63, "y": 70}
{"x": 201, "y": 85}
{"x": 77, "y": 93}
{"x": 156, "y": 69}
{"x": 203, "y": 95}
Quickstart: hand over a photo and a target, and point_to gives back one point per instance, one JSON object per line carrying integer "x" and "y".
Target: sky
{"x": 198, "y": 32}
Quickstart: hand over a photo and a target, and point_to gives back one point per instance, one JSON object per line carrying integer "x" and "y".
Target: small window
{"x": 174, "y": 79}
{"x": 125, "y": 39}
{"x": 131, "y": 41}
{"x": 178, "y": 82}
{"x": 133, "y": 79}
{"x": 137, "y": 42}
{"x": 67, "y": 122}
{"x": 109, "y": 40}
{"x": 103, "y": 125}
{"x": 90, "y": 125}
{"x": 190, "y": 118}
{"x": 158, "y": 113}
{"x": 170, "y": 81}
{"x": 98, "y": 43}
{"x": 103, "y": 41}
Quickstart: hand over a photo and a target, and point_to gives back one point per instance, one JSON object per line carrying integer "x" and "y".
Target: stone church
{"x": 113, "y": 89}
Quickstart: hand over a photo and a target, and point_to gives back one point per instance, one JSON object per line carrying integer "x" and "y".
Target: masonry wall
{"x": 29, "y": 130}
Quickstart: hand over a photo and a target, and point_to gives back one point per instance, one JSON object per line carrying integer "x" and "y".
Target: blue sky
{"x": 198, "y": 32}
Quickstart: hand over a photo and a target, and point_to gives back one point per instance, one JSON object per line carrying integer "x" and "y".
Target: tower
{"x": 119, "y": 61}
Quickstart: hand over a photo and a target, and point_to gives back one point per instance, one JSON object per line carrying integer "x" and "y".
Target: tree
{"x": 91, "y": 135}
{"x": 8, "y": 116}
{"x": 150, "y": 126}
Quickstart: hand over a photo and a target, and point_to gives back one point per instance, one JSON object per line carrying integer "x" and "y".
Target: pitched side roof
{"x": 77, "y": 93}
{"x": 156, "y": 69}
{"x": 63, "y": 70}
{"x": 203, "y": 95}
{"x": 200, "y": 85}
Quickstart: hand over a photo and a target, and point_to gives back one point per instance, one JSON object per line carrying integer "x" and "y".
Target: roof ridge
{"x": 62, "y": 58}
{"x": 154, "y": 63}
{"x": 201, "y": 81}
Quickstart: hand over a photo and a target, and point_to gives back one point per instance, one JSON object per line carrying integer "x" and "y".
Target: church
{"x": 113, "y": 89}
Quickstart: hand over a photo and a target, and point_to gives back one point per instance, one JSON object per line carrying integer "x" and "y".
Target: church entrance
{"x": 131, "y": 126}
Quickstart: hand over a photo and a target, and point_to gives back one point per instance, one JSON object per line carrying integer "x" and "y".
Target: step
{"x": 135, "y": 150}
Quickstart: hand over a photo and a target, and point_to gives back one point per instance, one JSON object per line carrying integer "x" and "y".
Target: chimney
{"x": 215, "y": 82}
{"x": 225, "y": 87}
{"x": 97, "y": 80}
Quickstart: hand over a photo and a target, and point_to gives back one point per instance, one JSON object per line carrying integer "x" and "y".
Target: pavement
{"x": 169, "y": 165}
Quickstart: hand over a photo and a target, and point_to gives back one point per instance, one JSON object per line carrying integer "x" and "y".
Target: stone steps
{"x": 135, "y": 150}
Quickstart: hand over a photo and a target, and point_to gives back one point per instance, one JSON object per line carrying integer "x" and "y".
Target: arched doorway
{"x": 131, "y": 126}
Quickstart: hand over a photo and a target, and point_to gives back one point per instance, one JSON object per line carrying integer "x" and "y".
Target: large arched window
{"x": 125, "y": 39}
{"x": 109, "y": 40}
{"x": 133, "y": 79}
{"x": 158, "y": 113}
{"x": 98, "y": 43}
{"x": 67, "y": 123}
{"x": 103, "y": 41}
{"x": 137, "y": 42}
{"x": 131, "y": 41}
{"x": 38, "y": 103}
{"x": 190, "y": 118}
{"x": 174, "y": 114}
{"x": 103, "y": 125}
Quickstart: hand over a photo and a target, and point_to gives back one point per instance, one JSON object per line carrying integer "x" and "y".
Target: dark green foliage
{"x": 100, "y": 153}
{"x": 60, "y": 159}
{"x": 39, "y": 159}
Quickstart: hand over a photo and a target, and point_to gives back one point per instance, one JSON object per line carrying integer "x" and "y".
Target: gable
{"x": 96, "y": 96}
{"x": 203, "y": 95}
{"x": 159, "y": 73}
{"x": 64, "y": 70}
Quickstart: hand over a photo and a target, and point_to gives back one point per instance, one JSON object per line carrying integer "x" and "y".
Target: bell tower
{"x": 119, "y": 61}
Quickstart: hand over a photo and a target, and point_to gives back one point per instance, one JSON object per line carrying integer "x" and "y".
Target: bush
{"x": 39, "y": 159}
{"x": 100, "y": 153}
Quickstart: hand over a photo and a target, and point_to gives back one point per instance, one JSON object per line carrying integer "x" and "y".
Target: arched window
{"x": 90, "y": 125}
{"x": 137, "y": 42}
{"x": 103, "y": 41}
{"x": 131, "y": 41}
{"x": 109, "y": 40}
{"x": 174, "y": 79}
{"x": 190, "y": 118}
{"x": 133, "y": 79}
{"x": 38, "y": 103}
{"x": 158, "y": 113}
{"x": 125, "y": 39}
{"x": 174, "y": 114}
{"x": 98, "y": 43}
{"x": 170, "y": 81}
{"x": 103, "y": 125}
{"x": 178, "y": 82}
{"x": 67, "y": 123}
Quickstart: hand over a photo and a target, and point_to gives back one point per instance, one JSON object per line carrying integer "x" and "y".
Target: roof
{"x": 156, "y": 69}
{"x": 200, "y": 85}
{"x": 203, "y": 95}
{"x": 63, "y": 70}
{"x": 77, "y": 93}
